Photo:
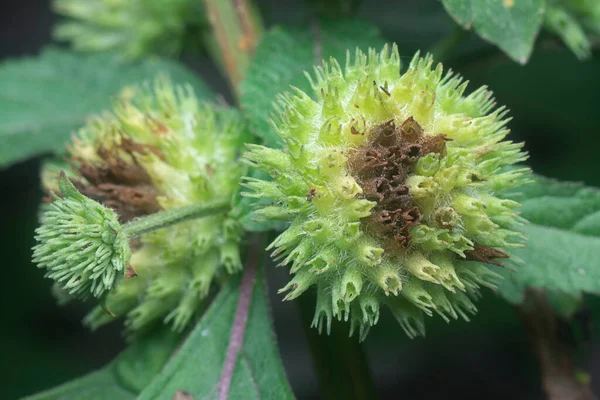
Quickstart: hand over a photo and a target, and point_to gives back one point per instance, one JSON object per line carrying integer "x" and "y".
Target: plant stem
{"x": 558, "y": 372}
{"x": 442, "y": 49}
{"x": 339, "y": 360}
{"x": 236, "y": 29}
{"x": 163, "y": 219}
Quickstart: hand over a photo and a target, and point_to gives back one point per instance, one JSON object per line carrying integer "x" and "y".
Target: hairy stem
{"x": 236, "y": 30}
{"x": 555, "y": 358}
{"x": 339, "y": 360}
{"x": 236, "y": 340}
{"x": 166, "y": 218}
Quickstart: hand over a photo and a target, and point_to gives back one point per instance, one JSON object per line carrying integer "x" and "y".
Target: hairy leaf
{"x": 196, "y": 369}
{"x": 284, "y": 55}
{"x": 125, "y": 377}
{"x": 512, "y": 25}
{"x": 563, "y": 240}
{"x": 44, "y": 99}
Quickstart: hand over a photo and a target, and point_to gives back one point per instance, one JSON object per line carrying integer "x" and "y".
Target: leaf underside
{"x": 196, "y": 368}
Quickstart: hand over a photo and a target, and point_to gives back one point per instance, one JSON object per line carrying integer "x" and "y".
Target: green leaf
{"x": 125, "y": 377}
{"x": 512, "y": 25}
{"x": 565, "y": 24}
{"x": 45, "y": 98}
{"x": 563, "y": 240}
{"x": 284, "y": 55}
{"x": 196, "y": 368}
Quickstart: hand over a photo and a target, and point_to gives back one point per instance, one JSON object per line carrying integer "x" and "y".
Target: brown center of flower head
{"x": 120, "y": 184}
{"x": 381, "y": 167}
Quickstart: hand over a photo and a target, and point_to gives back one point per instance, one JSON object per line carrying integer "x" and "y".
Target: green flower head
{"x": 81, "y": 244}
{"x": 389, "y": 182}
{"x": 133, "y": 27}
{"x": 162, "y": 149}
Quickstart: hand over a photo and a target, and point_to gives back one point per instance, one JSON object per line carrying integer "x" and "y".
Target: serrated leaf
{"x": 284, "y": 55}
{"x": 125, "y": 377}
{"x": 512, "y": 25}
{"x": 44, "y": 99}
{"x": 563, "y": 240}
{"x": 196, "y": 368}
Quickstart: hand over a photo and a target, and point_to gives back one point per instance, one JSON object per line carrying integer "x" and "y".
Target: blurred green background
{"x": 555, "y": 105}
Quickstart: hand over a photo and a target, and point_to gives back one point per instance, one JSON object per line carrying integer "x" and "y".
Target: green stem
{"x": 339, "y": 360}
{"x": 166, "y": 218}
{"x": 442, "y": 49}
{"x": 236, "y": 28}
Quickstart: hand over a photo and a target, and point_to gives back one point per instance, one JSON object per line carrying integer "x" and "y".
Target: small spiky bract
{"x": 81, "y": 244}
{"x": 162, "y": 149}
{"x": 389, "y": 181}
{"x": 134, "y": 28}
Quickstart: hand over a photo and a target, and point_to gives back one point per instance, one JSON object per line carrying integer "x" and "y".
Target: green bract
{"x": 133, "y": 27}
{"x": 81, "y": 244}
{"x": 160, "y": 150}
{"x": 389, "y": 181}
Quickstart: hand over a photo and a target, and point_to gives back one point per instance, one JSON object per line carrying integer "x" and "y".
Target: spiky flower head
{"x": 162, "y": 149}
{"x": 389, "y": 182}
{"x": 132, "y": 27}
{"x": 81, "y": 244}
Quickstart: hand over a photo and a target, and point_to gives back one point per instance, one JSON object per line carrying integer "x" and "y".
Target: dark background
{"x": 555, "y": 103}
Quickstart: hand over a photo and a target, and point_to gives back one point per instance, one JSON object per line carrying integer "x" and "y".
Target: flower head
{"x": 162, "y": 149}
{"x": 389, "y": 183}
{"x": 81, "y": 244}
{"x": 134, "y": 28}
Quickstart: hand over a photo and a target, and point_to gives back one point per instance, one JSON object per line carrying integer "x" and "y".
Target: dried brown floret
{"x": 381, "y": 167}
{"x": 485, "y": 254}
